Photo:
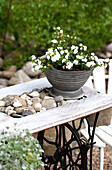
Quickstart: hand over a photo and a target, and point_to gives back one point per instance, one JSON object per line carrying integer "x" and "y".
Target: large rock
{"x": 41, "y": 75}
{"x": 108, "y": 54}
{"x": 1, "y": 62}
{"x": 109, "y": 47}
{"x": 103, "y": 119}
{"x": 2, "y": 86}
{"x": 12, "y": 68}
{"x": 3, "y": 82}
{"x": 48, "y": 102}
{"x": 6, "y": 74}
{"x": 27, "y": 68}
{"x": 101, "y": 55}
{"x": 19, "y": 77}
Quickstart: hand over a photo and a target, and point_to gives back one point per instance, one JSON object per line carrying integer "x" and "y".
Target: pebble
{"x": 43, "y": 109}
{"x": 22, "y": 101}
{"x": 8, "y": 108}
{"x": 58, "y": 98}
{"x": 19, "y": 109}
{"x": 29, "y": 102}
{"x": 36, "y": 89}
{"x": 42, "y": 95}
{"x": 34, "y": 94}
{"x": 36, "y": 100}
{"x": 2, "y": 109}
{"x": 48, "y": 97}
{"x": 37, "y": 107}
{"x": 9, "y": 97}
{"x": 16, "y": 115}
{"x": 63, "y": 102}
{"x": 9, "y": 103}
{"x": 27, "y": 112}
{"x": 25, "y": 97}
{"x": 17, "y": 104}
{"x": 31, "y": 108}
{"x": 2, "y": 103}
{"x": 10, "y": 112}
{"x": 48, "y": 103}
{"x": 59, "y": 104}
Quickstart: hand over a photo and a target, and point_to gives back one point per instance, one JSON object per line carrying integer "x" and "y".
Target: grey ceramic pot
{"x": 67, "y": 83}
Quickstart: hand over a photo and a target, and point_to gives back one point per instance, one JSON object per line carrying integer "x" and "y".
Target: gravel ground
{"x": 107, "y": 158}
{"x": 96, "y": 159}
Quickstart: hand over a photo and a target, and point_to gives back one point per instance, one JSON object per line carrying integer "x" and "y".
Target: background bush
{"x": 31, "y": 23}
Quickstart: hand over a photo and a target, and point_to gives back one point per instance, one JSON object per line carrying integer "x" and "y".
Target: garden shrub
{"x": 31, "y": 23}
{"x": 19, "y": 152}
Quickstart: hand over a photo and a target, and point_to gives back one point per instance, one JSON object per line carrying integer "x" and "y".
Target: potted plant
{"x": 19, "y": 152}
{"x": 67, "y": 65}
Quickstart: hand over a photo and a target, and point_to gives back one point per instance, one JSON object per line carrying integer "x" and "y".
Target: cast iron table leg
{"x": 71, "y": 149}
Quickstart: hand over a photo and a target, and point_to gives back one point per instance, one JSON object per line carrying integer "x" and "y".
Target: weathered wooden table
{"x": 65, "y": 156}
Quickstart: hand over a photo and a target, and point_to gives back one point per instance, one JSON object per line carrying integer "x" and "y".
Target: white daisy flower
{"x": 85, "y": 48}
{"x": 66, "y": 51}
{"x": 66, "y": 56}
{"x": 33, "y": 57}
{"x": 79, "y": 57}
{"x": 72, "y": 47}
{"x": 75, "y": 62}
{"x": 48, "y": 57}
{"x": 58, "y": 28}
{"x": 55, "y": 57}
{"x": 61, "y": 31}
{"x": 75, "y": 51}
{"x": 92, "y": 57}
{"x": 89, "y": 64}
{"x": 63, "y": 60}
{"x": 62, "y": 52}
{"x": 106, "y": 60}
{"x": 84, "y": 59}
{"x": 96, "y": 58}
{"x": 92, "y": 53}
{"x": 80, "y": 44}
{"x": 59, "y": 48}
{"x": 50, "y": 50}
{"x": 36, "y": 67}
{"x": 69, "y": 65}
{"x": 54, "y": 41}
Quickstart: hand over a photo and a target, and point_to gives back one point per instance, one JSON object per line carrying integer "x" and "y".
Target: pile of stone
{"x": 105, "y": 52}
{"x": 29, "y": 103}
{"x": 12, "y": 76}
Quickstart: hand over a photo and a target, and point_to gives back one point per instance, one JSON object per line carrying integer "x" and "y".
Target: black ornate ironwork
{"x": 71, "y": 151}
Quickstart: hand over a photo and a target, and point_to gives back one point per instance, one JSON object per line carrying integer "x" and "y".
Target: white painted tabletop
{"x": 94, "y": 102}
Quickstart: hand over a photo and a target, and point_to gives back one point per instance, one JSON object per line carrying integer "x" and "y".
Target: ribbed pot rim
{"x": 70, "y": 70}
{"x": 72, "y": 81}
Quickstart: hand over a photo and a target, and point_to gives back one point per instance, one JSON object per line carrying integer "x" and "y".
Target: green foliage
{"x": 19, "y": 152}
{"x": 66, "y": 53}
{"x": 15, "y": 58}
{"x": 32, "y": 21}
